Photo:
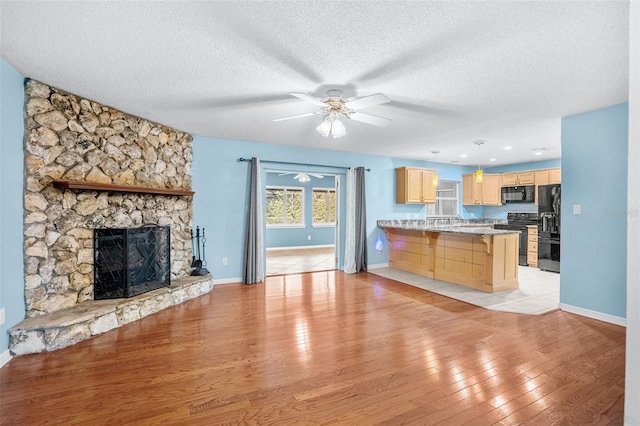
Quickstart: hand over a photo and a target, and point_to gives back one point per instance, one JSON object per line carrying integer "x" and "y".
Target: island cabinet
{"x": 520, "y": 178}
{"x": 412, "y": 251}
{"x": 415, "y": 185}
{"x": 485, "y": 193}
{"x": 484, "y": 262}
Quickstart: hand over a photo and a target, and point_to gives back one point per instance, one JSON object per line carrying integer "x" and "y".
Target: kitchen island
{"x": 467, "y": 254}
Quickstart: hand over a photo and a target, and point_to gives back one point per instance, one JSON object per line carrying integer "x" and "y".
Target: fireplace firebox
{"x": 130, "y": 261}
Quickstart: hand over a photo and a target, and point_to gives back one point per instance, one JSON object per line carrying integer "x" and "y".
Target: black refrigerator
{"x": 549, "y": 227}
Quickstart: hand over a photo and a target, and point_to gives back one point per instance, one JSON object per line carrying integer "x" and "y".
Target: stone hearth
{"x": 71, "y": 325}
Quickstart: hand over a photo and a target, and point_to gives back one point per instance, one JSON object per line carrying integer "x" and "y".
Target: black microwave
{"x": 518, "y": 194}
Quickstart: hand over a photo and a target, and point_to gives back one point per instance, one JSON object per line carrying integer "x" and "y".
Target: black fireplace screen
{"x": 130, "y": 261}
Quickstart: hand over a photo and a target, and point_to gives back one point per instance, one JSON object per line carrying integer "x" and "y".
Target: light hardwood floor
{"x": 327, "y": 348}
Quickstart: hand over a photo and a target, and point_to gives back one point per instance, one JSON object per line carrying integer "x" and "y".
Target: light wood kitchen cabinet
{"x": 520, "y": 178}
{"x": 485, "y": 193}
{"x": 532, "y": 245}
{"x": 542, "y": 177}
{"x": 415, "y": 186}
{"x": 546, "y": 177}
{"x": 482, "y": 261}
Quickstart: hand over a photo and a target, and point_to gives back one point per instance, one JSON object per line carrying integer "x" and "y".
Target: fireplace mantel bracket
{"x": 93, "y": 186}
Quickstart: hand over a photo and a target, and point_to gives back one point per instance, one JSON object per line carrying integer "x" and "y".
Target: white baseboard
{"x": 5, "y": 357}
{"x": 378, "y": 266}
{"x": 227, "y": 281}
{"x": 300, "y": 247}
{"x": 593, "y": 314}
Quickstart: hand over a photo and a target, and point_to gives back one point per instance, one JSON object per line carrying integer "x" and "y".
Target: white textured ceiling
{"x": 456, "y": 72}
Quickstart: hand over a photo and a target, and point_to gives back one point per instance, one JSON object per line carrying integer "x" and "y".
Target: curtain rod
{"x": 297, "y": 164}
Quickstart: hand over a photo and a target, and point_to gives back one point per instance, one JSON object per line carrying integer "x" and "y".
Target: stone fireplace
{"x": 88, "y": 167}
{"x": 69, "y": 138}
{"x": 130, "y": 261}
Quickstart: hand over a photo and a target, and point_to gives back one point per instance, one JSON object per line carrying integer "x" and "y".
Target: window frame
{"x": 284, "y": 224}
{"x": 432, "y": 208}
{"x": 315, "y": 224}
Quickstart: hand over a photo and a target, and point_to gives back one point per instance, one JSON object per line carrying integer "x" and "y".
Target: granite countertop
{"x": 455, "y": 226}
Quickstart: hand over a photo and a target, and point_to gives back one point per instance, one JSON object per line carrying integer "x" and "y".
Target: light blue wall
{"x": 533, "y": 165}
{"x": 220, "y": 184}
{"x": 11, "y": 176}
{"x": 594, "y": 174}
{"x": 299, "y": 237}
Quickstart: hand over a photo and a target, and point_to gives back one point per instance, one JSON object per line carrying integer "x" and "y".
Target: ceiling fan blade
{"x": 296, "y": 116}
{"x": 315, "y": 175}
{"x": 370, "y": 119}
{"x": 308, "y": 98}
{"x": 368, "y": 101}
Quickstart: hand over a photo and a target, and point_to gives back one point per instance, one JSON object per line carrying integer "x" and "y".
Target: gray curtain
{"x": 253, "y": 270}
{"x": 360, "y": 222}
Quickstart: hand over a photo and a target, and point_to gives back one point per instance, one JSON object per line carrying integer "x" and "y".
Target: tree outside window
{"x": 285, "y": 206}
{"x": 324, "y": 206}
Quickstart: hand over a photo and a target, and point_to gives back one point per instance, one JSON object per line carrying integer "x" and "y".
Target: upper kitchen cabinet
{"x": 485, "y": 193}
{"x": 520, "y": 178}
{"x": 542, "y": 177}
{"x": 415, "y": 186}
{"x": 546, "y": 177}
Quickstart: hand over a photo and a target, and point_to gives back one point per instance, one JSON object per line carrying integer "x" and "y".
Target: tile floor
{"x": 295, "y": 261}
{"x": 539, "y": 291}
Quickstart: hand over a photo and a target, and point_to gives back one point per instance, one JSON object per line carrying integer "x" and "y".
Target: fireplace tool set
{"x": 198, "y": 264}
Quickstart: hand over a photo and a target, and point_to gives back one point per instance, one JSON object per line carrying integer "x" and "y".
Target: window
{"x": 285, "y": 206}
{"x": 324, "y": 207}
{"x": 446, "y": 199}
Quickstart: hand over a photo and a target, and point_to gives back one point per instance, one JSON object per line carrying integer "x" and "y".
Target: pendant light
{"x": 479, "y": 170}
{"x": 435, "y": 177}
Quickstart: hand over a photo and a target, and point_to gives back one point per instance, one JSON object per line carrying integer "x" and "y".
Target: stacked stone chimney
{"x": 71, "y": 138}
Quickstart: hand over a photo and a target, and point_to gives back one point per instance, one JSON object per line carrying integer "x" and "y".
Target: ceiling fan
{"x": 335, "y": 107}
{"x": 302, "y": 177}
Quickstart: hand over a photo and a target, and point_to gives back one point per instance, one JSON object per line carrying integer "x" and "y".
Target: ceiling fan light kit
{"x": 332, "y": 126}
{"x": 335, "y": 106}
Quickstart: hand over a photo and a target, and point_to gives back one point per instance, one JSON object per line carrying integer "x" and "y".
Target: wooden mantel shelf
{"x": 93, "y": 186}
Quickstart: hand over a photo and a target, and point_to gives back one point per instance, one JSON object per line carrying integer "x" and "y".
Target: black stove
{"x": 519, "y": 222}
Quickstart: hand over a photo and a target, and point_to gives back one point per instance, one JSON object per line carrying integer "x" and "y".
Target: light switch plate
{"x": 577, "y": 209}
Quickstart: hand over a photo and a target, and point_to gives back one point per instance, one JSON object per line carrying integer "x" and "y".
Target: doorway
{"x": 301, "y": 210}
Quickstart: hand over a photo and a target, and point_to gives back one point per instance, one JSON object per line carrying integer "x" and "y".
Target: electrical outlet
{"x": 224, "y": 261}
{"x": 309, "y": 237}
{"x": 1, "y": 316}
{"x": 577, "y": 209}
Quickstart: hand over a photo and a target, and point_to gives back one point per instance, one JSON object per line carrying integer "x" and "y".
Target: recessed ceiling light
{"x": 506, "y": 148}
{"x": 492, "y": 159}
{"x": 537, "y": 153}
{"x": 463, "y": 155}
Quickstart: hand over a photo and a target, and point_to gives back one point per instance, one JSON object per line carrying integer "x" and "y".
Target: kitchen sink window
{"x": 285, "y": 206}
{"x": 446, "y": 199}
